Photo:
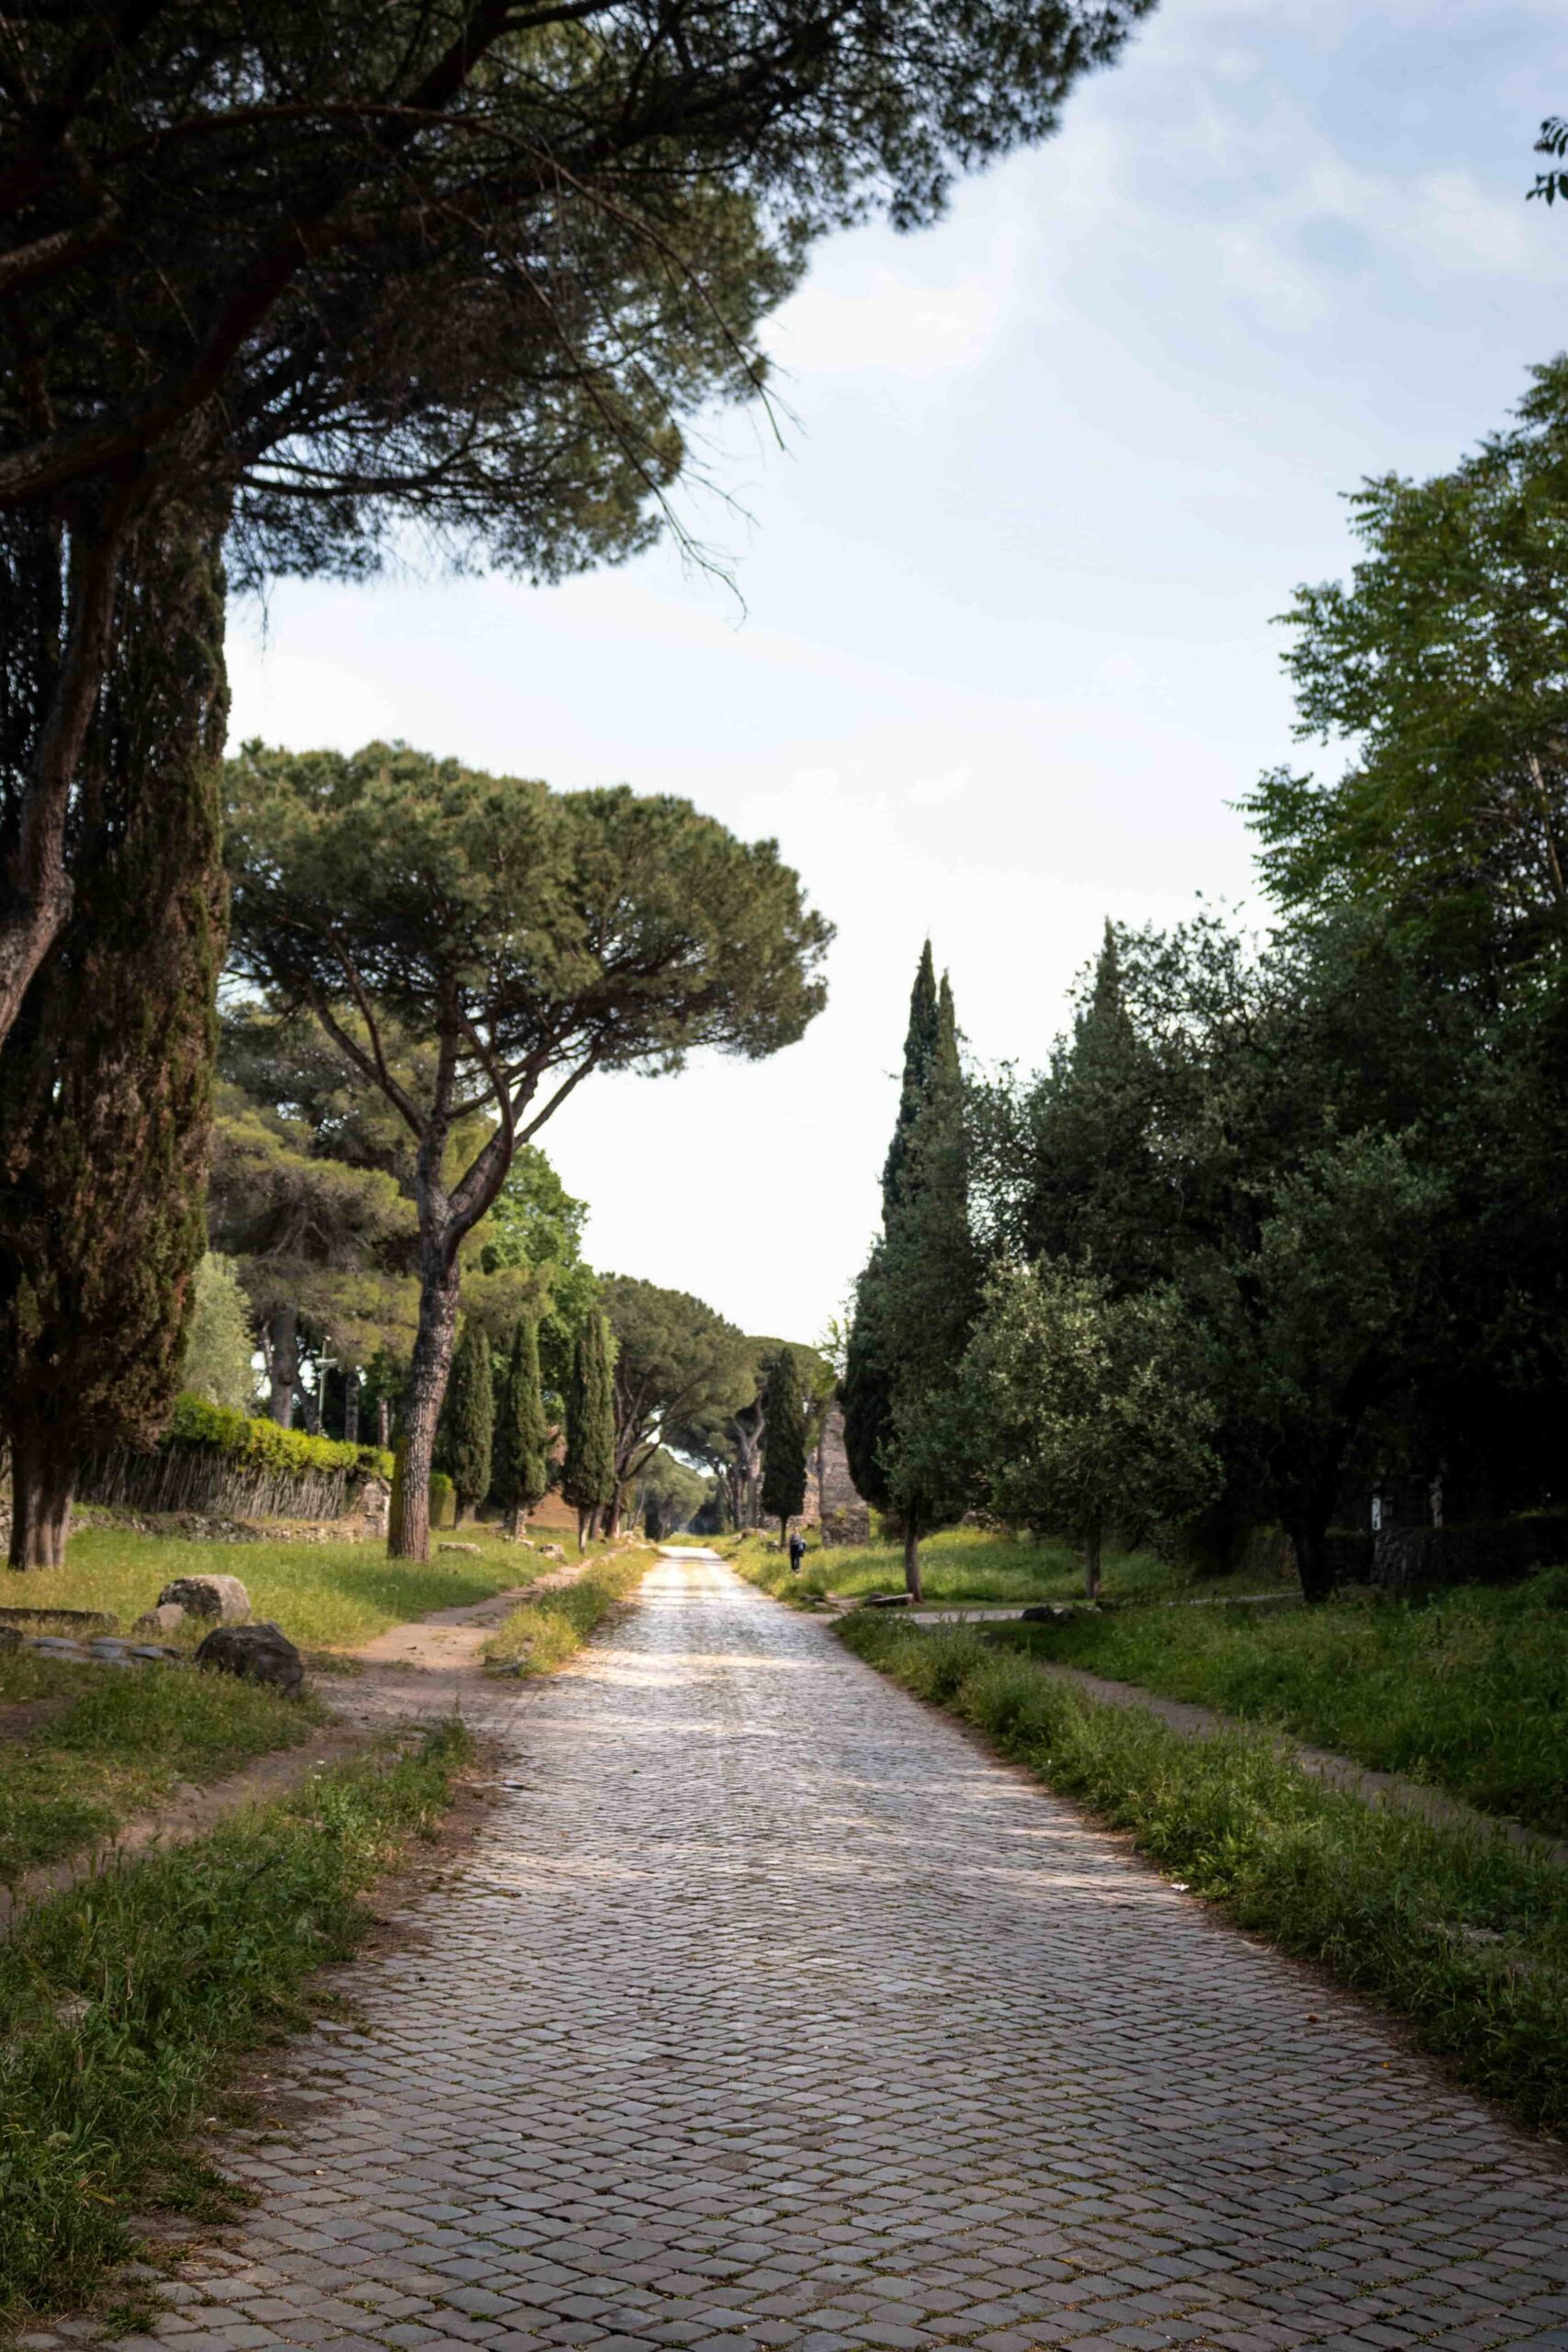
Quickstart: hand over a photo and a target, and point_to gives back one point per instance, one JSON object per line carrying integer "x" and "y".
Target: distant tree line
{"x": 1280, "y": 1216}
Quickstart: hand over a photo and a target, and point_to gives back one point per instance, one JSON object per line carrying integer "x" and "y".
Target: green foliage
{"x": 180, "y": 1965}
{"x": 443, "y": 1500}
{"x": 783, "y": 1438}
{"x": 536, "y": 1222}
{"x": 1087, "y": 1412}
{"x": 588, "y": 1477}
{"x": 263, "y": 1445}
{"x": 465, "y": 1438}
{"x": 964, "y": 1566}
{"x": 1445, "y": 663}
{"x": 1460, "y": 1935}
{"x": 1469, "y": 1690}
{"x": 220, "y": 1342}
{"x": 668, "y": 1493}
{"x": 120, "y": 1748}
{"x": 522, "y": 1467}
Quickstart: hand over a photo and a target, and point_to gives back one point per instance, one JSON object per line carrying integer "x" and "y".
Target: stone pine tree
{"x": 588, "y": 1481}
{"x": 917, "y": 1300}
{"x": 468, "y": 1420}
{"x": 105, "y": 1112}
{"x": 784, "y": 1441}
{"x": 520, "y": 1471}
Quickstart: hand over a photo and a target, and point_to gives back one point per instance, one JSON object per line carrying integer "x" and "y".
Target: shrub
{"x": 443, "y": 1500}
{"x": 265, "y": 1444}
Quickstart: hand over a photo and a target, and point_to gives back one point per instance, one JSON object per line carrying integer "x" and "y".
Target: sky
{"x": 998, "y": 653}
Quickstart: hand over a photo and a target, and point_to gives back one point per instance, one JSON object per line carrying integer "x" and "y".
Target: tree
{"x": 106, "y": 1110}
{"x": 588, "y": 1478}
{"x": 675, "y": 1361}
{"x": 1445, "y": 663}
{"x": 220, "y": 1342}
{"x": 668, "y": 1494}
{"x": 468, "y": 264}
{"x": 522, "y": 1464}
{"x": 784, "y": 1448}
{"x": 536, "y": 1222}
{"x": 917, "y": 1299}
{"x": 1088, "y": 1411}
{"x": 467, "y": 1430}
{"x": 528, "y": 938}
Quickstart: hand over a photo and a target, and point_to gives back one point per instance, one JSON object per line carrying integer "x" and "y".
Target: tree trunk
{"x": 784, "y": 1535}
{"x": 282, "y": 1364}
{"x": 43, "y": 1473}
{"x": 422, "y": 1408}
{"x": 912, "y": 1559}
{"x": 1091, "y": 1563}
{"x": 583, "y": 1519}
{"x": 1308, "y": 1536}
{"x": 514, "y": 1522}
{"x": 350, "y": 1408}
{"x": 383, "y": 1423}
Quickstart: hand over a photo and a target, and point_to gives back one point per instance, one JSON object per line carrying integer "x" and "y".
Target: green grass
{"x": 325, "y": 1596}
{"x": 540, "y": 1635}
{"x": 125, "y": 2005}
{"x": 120, "y": 1745}
{"x": 969, "y": 1564}
{"x": 1468, "y": 1690}
{"x": 1459, "y": 1934}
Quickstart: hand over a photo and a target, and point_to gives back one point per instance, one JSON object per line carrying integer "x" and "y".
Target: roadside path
{"x": 767, "y": 2011}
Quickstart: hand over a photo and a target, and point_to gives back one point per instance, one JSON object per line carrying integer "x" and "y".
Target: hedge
{"x": 267, "y": 1446}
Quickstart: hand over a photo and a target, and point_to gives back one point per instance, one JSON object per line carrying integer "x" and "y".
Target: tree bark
{"x": 350, "y": 1408}
{"x": 383, "y": 1423}
{"x": 1091, "y": 1563}
{"x": 427, "y": 1387}
{"x": 282, "y": 1364}
{"x": 44, "y": 1469}
{"x": 1308, "y": 1533}
{"x": 912, "y": 1560}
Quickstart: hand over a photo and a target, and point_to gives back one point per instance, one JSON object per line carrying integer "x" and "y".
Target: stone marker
{"x": 260, "y": 1653}
{"x": 167, "y": 1618}
{"x": 224, "y": 1598}
{"x": 477, "y": 1549}
{"x": 550, "y": 1551}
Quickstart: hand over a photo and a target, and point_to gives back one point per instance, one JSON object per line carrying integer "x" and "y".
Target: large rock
{"x": 167, "y": 1618}
{"x": 260, "y": 1653}
{"x": 224, "y": 1598}
{"x": 477, "y": 1549}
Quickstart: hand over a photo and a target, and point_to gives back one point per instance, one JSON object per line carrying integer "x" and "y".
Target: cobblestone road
{"x": 768, "y": 2012}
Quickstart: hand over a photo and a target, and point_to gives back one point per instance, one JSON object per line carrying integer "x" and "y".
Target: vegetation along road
{"x": 767, "y": 2010}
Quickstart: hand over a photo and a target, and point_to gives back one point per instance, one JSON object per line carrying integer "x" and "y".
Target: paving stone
{"x": 767, "y": 2011}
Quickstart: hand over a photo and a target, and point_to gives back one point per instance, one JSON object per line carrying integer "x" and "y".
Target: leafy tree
{"x": 469, "y": 264}
{"x": 1089, "y": 1411}
{"x": 675, "y": 1361}
{"x": 527, "y": 938}
{"x": 1444, "y": 662}
{"x": 588, "y": 1479}
{"x": 784, "y": 1447}
{"x": 536, "y": 1222}
{"x": 467, "y": 1433}
{"x": 220, "y": 1342}
{"x": 106, "y": 1108}
{"x": 521, "y": 1465}
{"x": 668, "y": 1494}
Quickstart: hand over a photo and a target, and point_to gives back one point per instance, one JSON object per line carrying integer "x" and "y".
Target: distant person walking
{"x": 796, "y": 1550}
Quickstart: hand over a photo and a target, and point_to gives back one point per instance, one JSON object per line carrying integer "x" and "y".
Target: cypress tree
{"x": 521, "y": 1468}
{"x": 105, "y": 1114}
{"x": 918, "y": 1296}
{"x": 468, "y": 1420}
{"x": 589, "y": 1480}
{"x": 784, "y": 1441}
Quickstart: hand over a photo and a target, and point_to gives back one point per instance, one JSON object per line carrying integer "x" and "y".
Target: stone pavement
{"x": 767, "y": 2011}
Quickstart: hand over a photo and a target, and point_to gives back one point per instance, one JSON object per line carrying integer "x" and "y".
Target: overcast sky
{"x": 1005, "y": 654}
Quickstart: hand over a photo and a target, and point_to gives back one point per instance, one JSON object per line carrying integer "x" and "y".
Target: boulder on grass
{"x": 224, "y": 1598}
{"x": 260, "y": 1653}
{"x": 477, "y": 1549}
{"x": 550, "y": 1551}
{"x": 167, "y": 1618}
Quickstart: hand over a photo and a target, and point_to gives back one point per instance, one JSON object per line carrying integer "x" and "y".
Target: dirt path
{"x": 767, "y": 2011}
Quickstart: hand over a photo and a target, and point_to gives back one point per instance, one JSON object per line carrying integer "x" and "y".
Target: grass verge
{"x": 125, "y": 2005}
{"x": 325, "y": 1596}
{"x": 1463, "y": 1937}
{"x": 1468, "y": 1690}
{"x": 540, "y": 1635}
{"x": 970, "y": 1564}
{"x": 120, "y": 1744}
